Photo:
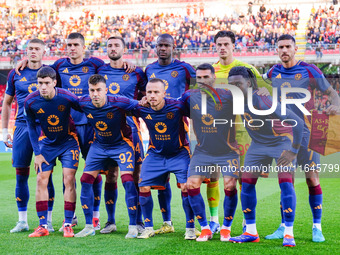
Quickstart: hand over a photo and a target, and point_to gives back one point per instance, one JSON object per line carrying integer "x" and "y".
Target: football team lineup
{"x": 59, "y": 121}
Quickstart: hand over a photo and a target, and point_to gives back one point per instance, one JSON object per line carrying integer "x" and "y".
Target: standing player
{"x": 21, "y": 86}
{"x": 298, "y": 74}
{"x": 216, "y": 149}
{"x": 270, "y": 141}
{"x": 132, "y": 86}
{"x": 74, "y": 72}
{"x": 107, "y": 115}
{"x": 176, "y": 75}
{"x": 51, "y": 107}
{"x": 168, "y": 152}
{"x": 225, "y": 45}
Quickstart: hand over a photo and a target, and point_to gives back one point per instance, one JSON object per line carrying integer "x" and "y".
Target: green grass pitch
{"x": 268, "y": 219}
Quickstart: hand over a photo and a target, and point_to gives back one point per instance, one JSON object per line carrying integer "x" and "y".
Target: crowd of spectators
{"x": 324, "y": 28}
{"x": 192, "y": 32}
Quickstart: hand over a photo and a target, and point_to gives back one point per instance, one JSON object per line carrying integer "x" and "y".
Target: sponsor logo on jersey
{"x": 160, "y": 127}
{"x": 114, "y": 88}
{"x": 286, "y": 84}
{"x": 101, "y": 125}
{"x": 105, "y": 76}
{"x": 85, "y": 69}
{"x": 61, "y": 108}
{"x": 153, "y": 75}
{"x": 90, "y": 116}
{"x": 166, "y": 84}
{"x": 33, "y": 87}
{"x": 53, "y": 120}
{"x": 278, "y": 76}
{"x": 74, "y": 80}
{"x": 65, "y": 70}
{"x": 23, "y": 79}
{"x": 174, "y": 74}
{"x": 170, "y": 115}
{"x": 126, "y": 77}
{"x": 40, "y": 111}
{"x": 207, "y": 119}
{"x": 109, "y": 115}
{"x": 148, "y": 117}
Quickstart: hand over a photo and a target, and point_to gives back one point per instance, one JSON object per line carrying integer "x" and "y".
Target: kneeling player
{"x": 168, "y": 153}
{"x": 270, "y": 141}
{"x": 107, "y": 115}
{"x": 216, "y": 149}
{"x": 51, "y": 107}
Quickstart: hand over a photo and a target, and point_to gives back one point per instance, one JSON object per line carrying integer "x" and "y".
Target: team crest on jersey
{"x": 114, "y": 88}
{"x": 53, "y": 120}
{"x": 298, "y": 76}
{"x": 109, "y": 115}
{"x": 170, "y": 115}
{"x": 33, "y": 87}
{"x": 161, "y": 127}
{"x": 286, "y": 84}
{"x": 85, "y": 69}
{"x": 174, "y": 74}
{"x": 207, "y": 119}
{"x": 75, "y": 80}
{"x": 101, "y": 125}
{"x": 218, "y": 107}
{"x": 61, "y": 108}
{"x": 126, "y": 77}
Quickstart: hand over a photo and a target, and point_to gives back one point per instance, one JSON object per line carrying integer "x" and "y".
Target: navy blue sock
{"x": 315, "y": 202}
{"x": 248, "y": 197}
{"x": 42, "y": 207}
{"x": 146, "y": 204}
{"x": 288, "y": 198}
{"x": 230, "y": 204}
{"x": 110, "y": 195}
{"x": 51, "y": 192}
{"x": 86, "y": 196}
{"x": 22, "y": 193}
{"x": 164, "y": 199}
{"x": 97, "y": 191}
{"x": 139, "y": 209}
{"x": 130, "y": 197}
{"x": 189, "y": 213}
{"x": 69, "y": 208}
{"x": 197, "y": 204}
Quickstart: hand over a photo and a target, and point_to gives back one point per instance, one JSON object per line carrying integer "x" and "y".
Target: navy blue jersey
{"x": 268, "y": 129}
{"x": 21, "y": 86}
{"x": 302, "y": 75}
{"x": 75, "y": 79}
{"x": 218, "y": 139}
{"x": 166, "y": 127}
{"x": 109, "y": 121}
{"x": 125, "y": 84}
{"x": 176, "y": 76}
{"x": 121, "y": 83}
{"x": 54, "y": 116}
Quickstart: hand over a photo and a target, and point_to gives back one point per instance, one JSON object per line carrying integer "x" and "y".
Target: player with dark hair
{"x": 113, "y": 145}
{"x": 216, "y": 149}
{"x": 132, "y": 86}
{"x": 168, "y": 152}
{"x": 269, "y": 141}
{"x": 225, "y": 45}
{"x": 51, "y": 107}
{"x": 21, "y": 86}
{"x": 298, "y": 74}
{"x": 176, "y": 75}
